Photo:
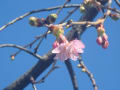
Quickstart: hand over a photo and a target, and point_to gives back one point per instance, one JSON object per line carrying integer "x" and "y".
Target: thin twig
{"x": 67, "y": 1}
{"x": 21, "y": 48}
{"x": 117, "y": 2}
{"x": 112, "y": 9}
{"x": 36, "y": 11}
{"x": 108, "y": 11}
{"x": 36, "y": 48}
{"x": 34, "y": 86}
{"x": 90, "y": 75}
{"x": 69, "y": 14}
{"x": 109, "y": 8}
{"x": 31, "y": 43}
{"x": 50, "y": 71}
{"x": 33, "y": 83}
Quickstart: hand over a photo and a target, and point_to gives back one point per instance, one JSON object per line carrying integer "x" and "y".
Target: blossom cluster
{"x": 63, "y": 48}
{"x": 102, "y": 38}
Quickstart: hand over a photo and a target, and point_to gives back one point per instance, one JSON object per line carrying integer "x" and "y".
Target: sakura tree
{"x": 66, "y": 47}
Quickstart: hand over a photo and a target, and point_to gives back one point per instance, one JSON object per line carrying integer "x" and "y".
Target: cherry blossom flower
{"x": 61, "y": 52}
{"x": 62, "y": 48}
{"x": 69, "y": 50}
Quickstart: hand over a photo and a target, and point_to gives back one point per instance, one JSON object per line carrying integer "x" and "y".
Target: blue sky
{"x": 104, "y": 64}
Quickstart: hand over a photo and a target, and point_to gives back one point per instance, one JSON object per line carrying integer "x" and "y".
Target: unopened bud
{"x": 32, "y": 21}
{"x": 38, "y": 22}
{"x": 99, "y": 40}
{"x": 83, "y": 70}
{"x": 105, "y": 44}
{"x": 79, "y": 65}
{"x": 51, "y": 18}
{"x": 105, "y": 37}
{"x": 82, "y": 8}
{"x": 55, "y": 44}
{"x": 12, "y": 57}
{"x": 115, "y": 16}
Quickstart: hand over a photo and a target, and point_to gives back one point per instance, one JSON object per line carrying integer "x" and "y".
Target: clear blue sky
{"x": 104, "y": 64}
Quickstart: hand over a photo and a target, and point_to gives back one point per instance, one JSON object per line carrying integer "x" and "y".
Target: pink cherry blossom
{"x": 61, "y": 52}
{"x": 69, "y": 50}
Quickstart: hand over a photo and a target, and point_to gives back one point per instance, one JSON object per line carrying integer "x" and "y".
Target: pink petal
{"x": 80, "y": 51}
{"x": 61, "y": 56}
{"x": 59, "y": 48}
{"x": 73, "y": 57}
{"x": 61, "y": 52}
{"x": 77, "y": 46}
{"x": 69, "y": 50}
{"x": 78, "y": 43}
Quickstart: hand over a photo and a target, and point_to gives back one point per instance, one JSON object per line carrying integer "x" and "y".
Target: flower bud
{"x": 115, "y": 16}
{"x": 105, "y": 37}
{"x": 79, "y": 65}
{"x": 51, "y": 18}
{"x": 38, "y": 22}
{"x": 99, "y": 40}
{"x": 55, "y": 44}
{"x": 32, "y": 21}
{"x": 83, "y": 70}
{"x": 12, "y": 57}
{"x": 82, "y": 8}
{"x": 105, "y": 44}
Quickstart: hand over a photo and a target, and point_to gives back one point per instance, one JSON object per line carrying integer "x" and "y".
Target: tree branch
{"x": 117, "y": 2}
{"x": 46, "y": 75}
{"x": 72, "y": 74}
{"x": 90, "y": 75}
{"x": 36, "y": 11}
{"x": 34, "y": 72}
{"x": 23, "y": 49}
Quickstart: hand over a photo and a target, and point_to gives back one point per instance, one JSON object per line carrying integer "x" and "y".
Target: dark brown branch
{"x": 72, "y": 74}
{"x": 34, "y": 72}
